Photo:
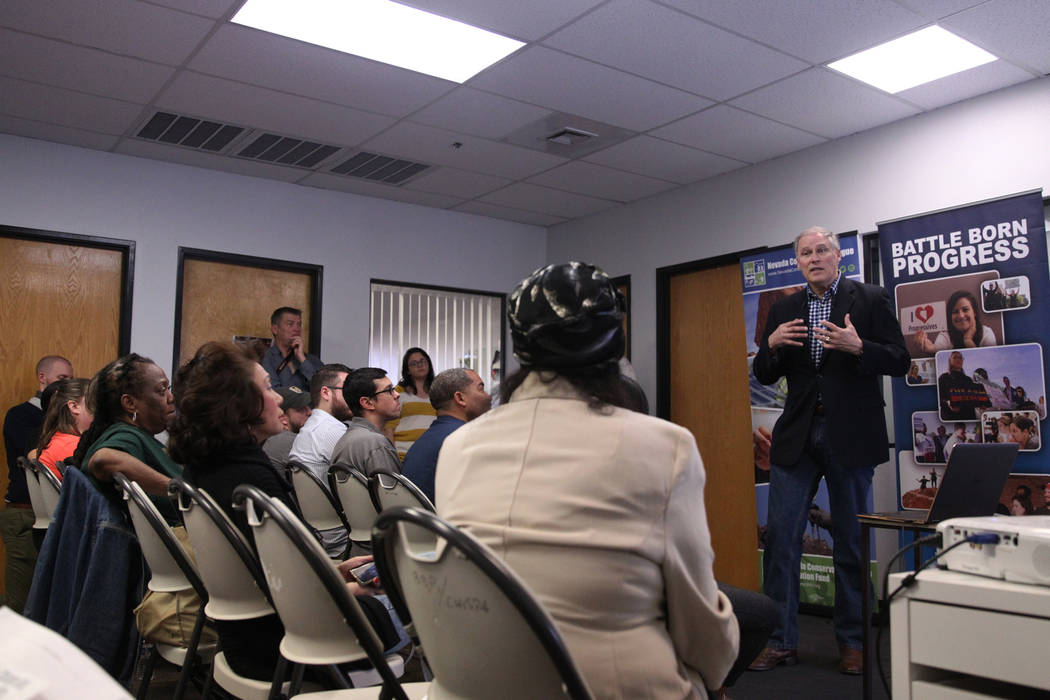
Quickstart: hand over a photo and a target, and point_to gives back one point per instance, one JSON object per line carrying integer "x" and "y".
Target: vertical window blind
{"x": 457, "y": 329}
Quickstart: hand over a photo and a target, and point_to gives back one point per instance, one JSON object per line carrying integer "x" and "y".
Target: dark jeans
{"x": 791, "y": 490}
{"x": 756, "y": 615}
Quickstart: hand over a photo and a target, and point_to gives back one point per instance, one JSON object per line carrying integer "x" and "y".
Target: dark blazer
{"x": 849, "y": 385}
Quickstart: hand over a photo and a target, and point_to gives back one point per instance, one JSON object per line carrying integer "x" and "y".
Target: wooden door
{"x": 709, "y": 396}
{"x": 58, "y": 299}
{"x": 221, "y": 300}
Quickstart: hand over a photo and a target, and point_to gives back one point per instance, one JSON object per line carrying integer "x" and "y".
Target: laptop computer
{"x": 972, "y": 483}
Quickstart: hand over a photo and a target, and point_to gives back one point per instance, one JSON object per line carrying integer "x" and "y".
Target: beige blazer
{"x": 602, "y": 514}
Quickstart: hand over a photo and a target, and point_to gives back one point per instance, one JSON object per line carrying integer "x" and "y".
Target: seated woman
{"x": 417, "y": 373}
{"x": 66, "y": 419}
{"x": 131, "y": 401}
{"x": 600, "y": 510}
{"x": 226, "y": 409}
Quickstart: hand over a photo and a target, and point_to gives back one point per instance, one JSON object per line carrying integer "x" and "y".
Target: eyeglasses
{"x": 330, "y": 386}
{"x": 389, "y": 390}
{"x": 417, "y": 363}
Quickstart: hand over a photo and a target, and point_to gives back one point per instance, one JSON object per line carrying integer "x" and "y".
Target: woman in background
{"x": 1022, "y": 431}
{"x": 417, "y": 372}
{"x": 66, "y": 419}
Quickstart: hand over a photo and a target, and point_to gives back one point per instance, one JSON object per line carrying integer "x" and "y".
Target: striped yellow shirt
{"x": 416, "y": 416}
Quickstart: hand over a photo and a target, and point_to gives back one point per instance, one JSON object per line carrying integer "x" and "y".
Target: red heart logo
{"x": 924, "y": 313}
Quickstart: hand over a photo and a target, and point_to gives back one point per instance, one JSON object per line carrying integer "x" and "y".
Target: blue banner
{"x": 778, "y": 268}
{"x": 972, "y": 293}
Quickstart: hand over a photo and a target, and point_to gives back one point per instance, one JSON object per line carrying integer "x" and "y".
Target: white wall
{"x": 990, "y": 146}
{"x": 163, "y": 206}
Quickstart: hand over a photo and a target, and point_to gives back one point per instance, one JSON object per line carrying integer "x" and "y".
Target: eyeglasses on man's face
{"x": 389, "y": 390}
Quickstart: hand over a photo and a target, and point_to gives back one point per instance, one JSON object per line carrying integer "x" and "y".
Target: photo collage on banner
{"x": 972, "y": 291}
{"x": 766, "y": 278}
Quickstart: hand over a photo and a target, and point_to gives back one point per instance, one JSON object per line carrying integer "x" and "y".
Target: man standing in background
{"x": 21, "y": 432}
{"x": 286, "y": 361}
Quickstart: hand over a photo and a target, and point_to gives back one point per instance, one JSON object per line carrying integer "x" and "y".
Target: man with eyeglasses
{"x": 373, "y": 401}
{"x": 833, "y": 340}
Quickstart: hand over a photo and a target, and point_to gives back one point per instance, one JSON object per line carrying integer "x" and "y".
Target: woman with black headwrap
{"x": 598, "y": 508}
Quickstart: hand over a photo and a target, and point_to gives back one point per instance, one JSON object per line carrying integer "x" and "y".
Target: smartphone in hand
{"x": 366, "y": 574}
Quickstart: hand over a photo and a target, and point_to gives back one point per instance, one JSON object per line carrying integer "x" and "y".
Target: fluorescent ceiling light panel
{"x": 914, "y": 59}
{"x": 383, "y": 31}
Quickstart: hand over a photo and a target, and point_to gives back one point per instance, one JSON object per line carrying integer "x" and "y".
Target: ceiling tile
{"x": 371, "y": 189}
{"x": 825, "y": 103}
{"x": 519, "y": 215}
{"x": 737, "y": 134}
{"x": 470, "y": 111}
{"x": 521, "y": 20}
{"x": 77, "y": 68}
{"x": 58, "y": 134}
{"x": 600, "y": 181}
{"x": 936, "y": 9}
{"x": 201, "y": 159}
{"x": 270, "y": 61}
{"x": 67, "y": 108}
{"x": 208, "y": 8}
{"x": 693, "y": 55}
{"x": 976, "y": 81}
{"x": 429, "y": 145}
{"x": 815, "y": 30}
{"x": 1013, "y": 29}
{"x": 457, "y": 183}
{"x": 246, "y": 105}
{"x": 569, "y": 84}
{"x": 668, "y": 161}
{"x": 522, "y": 195}
{"x": 122, "y": 26}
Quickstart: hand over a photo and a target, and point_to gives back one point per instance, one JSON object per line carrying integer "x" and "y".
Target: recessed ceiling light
{"x": 914, "y": 59}
{"x": 383, "y": 31}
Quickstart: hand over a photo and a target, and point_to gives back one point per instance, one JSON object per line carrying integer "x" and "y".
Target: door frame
{"x": 315, "y": 272}
{"x": 127, "y": 267}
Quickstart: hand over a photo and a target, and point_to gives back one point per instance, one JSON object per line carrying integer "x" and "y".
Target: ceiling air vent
{"x": 202, "y": 134}
{"x": 285, "y": 150}
{"x": 372, "y": 166}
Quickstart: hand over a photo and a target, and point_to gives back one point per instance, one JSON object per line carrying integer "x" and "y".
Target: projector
{"x": 1022, "y": 553}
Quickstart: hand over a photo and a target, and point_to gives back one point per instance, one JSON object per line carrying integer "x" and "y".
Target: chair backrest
{"x": 170, "y": 566}
{"x": 319, "y": 508}
{"x": 389, "y": 490}
{"x": 485, "y": 634}
{"x": 350, "y": 486}
{"x": 50, "y": 488}
{"x": 230, "y": 570}
{"x": 36, "y": 494}
{"x": 323, "y": 623}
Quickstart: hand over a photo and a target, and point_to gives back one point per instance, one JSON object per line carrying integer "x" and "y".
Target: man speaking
{"x": 833, "y": 340}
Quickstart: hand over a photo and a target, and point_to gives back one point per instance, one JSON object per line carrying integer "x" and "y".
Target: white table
{"x": 956, "y": 635}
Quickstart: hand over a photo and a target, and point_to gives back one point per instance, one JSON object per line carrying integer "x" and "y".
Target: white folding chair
{"x": 171, "y": 571}
{"x": 486, "y": 635}
{"x": 42, "y": 517}
{"x": 323, "y": 622}
{"x": 350, "y": 487}
{"x": 319, "y": 507}
{"x": 389, "y": 490}
{"x": 50, "y": 488}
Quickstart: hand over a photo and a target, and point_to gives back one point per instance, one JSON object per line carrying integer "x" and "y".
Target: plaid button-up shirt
{"x": 819, "y": 310}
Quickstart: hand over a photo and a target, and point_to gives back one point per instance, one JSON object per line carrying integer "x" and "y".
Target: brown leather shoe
{"x": 851, "y": 661}
{"x": 771, "y": 657}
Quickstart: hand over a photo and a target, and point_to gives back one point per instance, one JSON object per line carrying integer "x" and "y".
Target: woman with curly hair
{"x": 226, "y": 410}
{"x": 131, "y": 401}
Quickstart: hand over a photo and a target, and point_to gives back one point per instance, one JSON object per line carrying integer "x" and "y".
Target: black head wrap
{"x": 566, "y": 315}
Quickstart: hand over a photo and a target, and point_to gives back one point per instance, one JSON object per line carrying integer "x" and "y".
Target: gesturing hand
{"x": 791, "y": 332}
{"x": 843, "y": 338}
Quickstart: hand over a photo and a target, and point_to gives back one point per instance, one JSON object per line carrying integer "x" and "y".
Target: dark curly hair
{"x": 125, "y": 375}
{"x": 216, "y": 403}
{"x": 406, "y": 381}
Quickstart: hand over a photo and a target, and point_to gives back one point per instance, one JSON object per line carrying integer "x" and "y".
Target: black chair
{"x": 171, "y": 570}
{"x": 485, "y": 634}
{"x": 323, "y": 622}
